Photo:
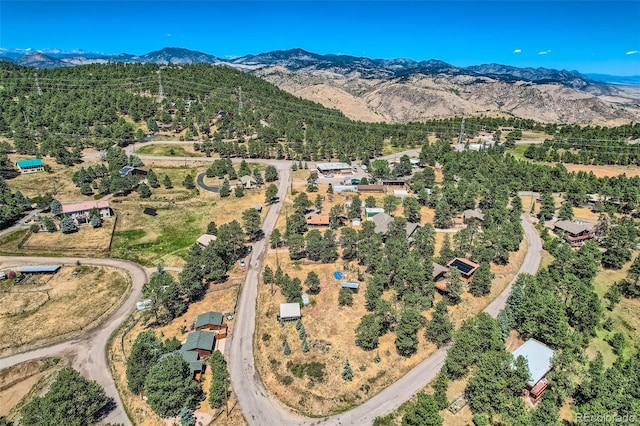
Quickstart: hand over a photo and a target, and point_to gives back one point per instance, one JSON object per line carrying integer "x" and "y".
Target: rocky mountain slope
{"x": 402, "y": 90}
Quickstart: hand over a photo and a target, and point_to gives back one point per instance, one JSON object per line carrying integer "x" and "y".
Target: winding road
{"x": 88, "y": 352}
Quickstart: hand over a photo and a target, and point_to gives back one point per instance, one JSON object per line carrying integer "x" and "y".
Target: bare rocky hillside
{"x": 417, "y": 97}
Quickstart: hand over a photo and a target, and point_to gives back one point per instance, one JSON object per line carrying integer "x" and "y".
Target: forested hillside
{"x": 57, "y": 112}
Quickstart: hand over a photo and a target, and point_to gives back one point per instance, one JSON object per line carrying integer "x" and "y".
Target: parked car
{"x": 242, "y": 263}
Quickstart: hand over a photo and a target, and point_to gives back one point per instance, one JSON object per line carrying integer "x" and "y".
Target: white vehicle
{"x": 364, "y": 168}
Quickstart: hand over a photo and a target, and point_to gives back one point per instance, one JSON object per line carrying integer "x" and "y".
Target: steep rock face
{"x": 418, "y": 97}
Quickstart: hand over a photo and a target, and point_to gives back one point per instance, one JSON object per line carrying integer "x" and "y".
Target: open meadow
{"x": 48, "y": 308}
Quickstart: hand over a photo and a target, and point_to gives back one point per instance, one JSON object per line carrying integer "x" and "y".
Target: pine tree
{"x": 56, "y": 208}
{"x": 144, "y": 191}
{"x": 566, "y": 211}
{"x": 454, "y": 287}
{"x": 225, "y": 189}
{"x": 305, "y": 345}
{"x": 481, "y": 283}
{"x": 285, "y": 347}
{"x": 188, "y": 182}
{"x": 152, "y": 179}
{"x": 440, "y": 327}
{"x": 239, "y": 191}
{"x": 96, "y": 221}
{"x": 68, "y": 225}
{"x": 167, "y": 182}
{"x": 86, "y": 189}
{"x": 347, "y": 372}
{"x": 446, "y": 252}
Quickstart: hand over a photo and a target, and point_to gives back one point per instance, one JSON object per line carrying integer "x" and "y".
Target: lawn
{"x": 182, "y": 216}
{"x": 57, "y": 305}
{"x": 169, "y": 150}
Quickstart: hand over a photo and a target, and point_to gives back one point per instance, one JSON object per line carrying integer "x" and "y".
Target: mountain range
{"x": 401, "y": 90}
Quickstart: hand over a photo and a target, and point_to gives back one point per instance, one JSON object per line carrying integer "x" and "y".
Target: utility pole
{"x": 461, "y": 135}
{"x": 239, "y": 100}
{"x": 38, "y": 85}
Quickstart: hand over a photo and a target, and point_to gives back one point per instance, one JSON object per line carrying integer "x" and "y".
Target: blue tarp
{"x": 337, "y": 275}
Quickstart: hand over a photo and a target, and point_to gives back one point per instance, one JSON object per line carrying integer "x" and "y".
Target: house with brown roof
{"x": 465, "y": 266}
{"x": 371, "y": 188}
{"x": 318, "y": 220}
{"x": 79, "y": 212}
{"x": 575, "y": 233}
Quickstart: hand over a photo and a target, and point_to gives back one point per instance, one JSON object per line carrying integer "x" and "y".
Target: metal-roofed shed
{"x": 39, "y": 269}
{"x": 289, "y": 311}
{"x": 351, "y": 285}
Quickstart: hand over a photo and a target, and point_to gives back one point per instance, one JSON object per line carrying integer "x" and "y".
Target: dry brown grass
{"x": 602, "y": 171}
{"x": 325, "y": 320}
{"x": 34, "y": 184}
{"x": 19, "y": 382}
{"x": 87, "y": 241}
{"x": 215, "y": 300}
{"x": 75, "y": 302}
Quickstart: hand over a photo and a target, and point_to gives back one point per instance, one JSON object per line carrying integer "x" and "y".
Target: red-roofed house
{"x": 80, "y": 211}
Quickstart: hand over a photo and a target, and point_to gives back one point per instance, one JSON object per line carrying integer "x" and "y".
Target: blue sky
{"x": 588, "y": 36}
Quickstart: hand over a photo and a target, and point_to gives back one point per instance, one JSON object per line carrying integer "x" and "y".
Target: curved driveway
{"x": 258, "y": 405}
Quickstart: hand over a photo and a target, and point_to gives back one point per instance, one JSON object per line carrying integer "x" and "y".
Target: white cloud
{"x": 517, "y": 51}
{"x": 632, "y": 52}
{"x": 168, "y": 34}
{"x": 545, "y": 52}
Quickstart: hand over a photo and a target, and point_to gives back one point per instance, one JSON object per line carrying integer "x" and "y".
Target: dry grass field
{"x": 332, "y": 326}
{"x": 49, "y": 307}
{"x": 221, "y": 298}
{"x": 21, "y": 382}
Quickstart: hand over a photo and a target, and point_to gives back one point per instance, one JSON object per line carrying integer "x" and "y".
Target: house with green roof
{"x": 210, "y": 321}
{"x": 201, "y": 342}
{"x": 192, "y": 358}
{"x": 30, "y": 166}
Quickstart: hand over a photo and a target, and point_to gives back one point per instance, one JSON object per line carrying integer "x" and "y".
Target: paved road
{"x": 88, "y": 352}
{"x": 200, "y": 180}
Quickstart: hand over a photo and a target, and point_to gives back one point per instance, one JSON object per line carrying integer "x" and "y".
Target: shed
{"x": 289, "y": 311}
{"x": 475, "y": 214}
{"x": 305, "y": 299}
{"x": 39, "y": 269}
{"x": 248, "y": 182}
{"x": 209, "y": 321}
{"x": 351, "y": 286}
{"x": 143, "y": 304}
{"x": 149, "y": 211}
{"x": 201, "y": 342}
{"x": 344, "y": 188}
{"x": 133, "y": 171}
{"x": 400, "y": 193}
{"x": 205, "y": 239}
{"x": 439, "y": 271}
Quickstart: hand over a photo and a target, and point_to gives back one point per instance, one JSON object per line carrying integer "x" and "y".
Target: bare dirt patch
{"x": 58, "y": 305}
{"x": 19, "y": 382}
{"x": 602, "y": 171}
